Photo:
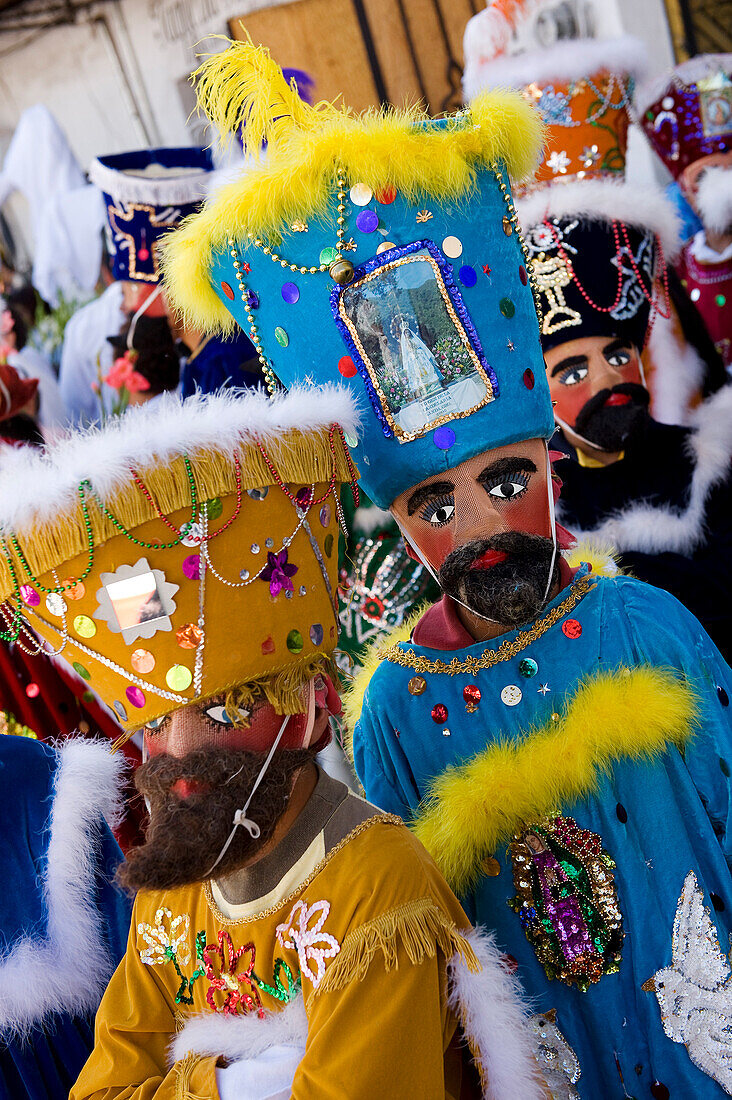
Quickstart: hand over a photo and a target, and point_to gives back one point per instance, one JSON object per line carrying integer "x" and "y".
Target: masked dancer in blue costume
{"x": 558, "y": 735}
{"x": 63, "y": 924}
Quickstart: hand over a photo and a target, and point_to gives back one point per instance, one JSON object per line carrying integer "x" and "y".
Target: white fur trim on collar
{"x": 656, "y": 530}
{"x": 605, "y": 200}
{"x": 678, "y": 372}
{"x": 688, "y": 72}
{"x": 166, "y": 187}
{"x": 571, "y": 60}
{"x": 69, "y": 969}
{"x": 35, "y": 485}
{"x": 239, "y": 1037}
{"x": 490, "y": 1007}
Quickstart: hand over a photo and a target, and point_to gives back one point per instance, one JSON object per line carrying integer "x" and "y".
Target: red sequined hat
{"x": 689, "y": 116}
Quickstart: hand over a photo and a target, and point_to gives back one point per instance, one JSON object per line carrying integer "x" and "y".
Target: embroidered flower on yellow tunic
{"x": 166, "y": 938}
{"x": 229, "y": 971}
{"x": 311, "y": 943}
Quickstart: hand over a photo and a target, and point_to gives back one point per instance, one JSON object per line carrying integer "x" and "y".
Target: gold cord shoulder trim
{"x": 490, "y": 657}
{"x": 420, "y": 926}
{"x": 378, "y": 819}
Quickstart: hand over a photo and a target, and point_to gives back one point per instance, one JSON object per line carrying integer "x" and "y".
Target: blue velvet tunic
{"x": 658, "y": 820}
{"x": 45, "y": 1062}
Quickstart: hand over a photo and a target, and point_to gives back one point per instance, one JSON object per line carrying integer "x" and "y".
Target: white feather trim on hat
{"x": 35, "y": 485}
{"x": 571, "y": 60}
{"x": 155, "y": 184}
{"x": 605, "y": 200}
{"x": 714, "y": 199}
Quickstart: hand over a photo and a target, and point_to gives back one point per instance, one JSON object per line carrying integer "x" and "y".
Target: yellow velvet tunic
{"x": 362, "y": 926}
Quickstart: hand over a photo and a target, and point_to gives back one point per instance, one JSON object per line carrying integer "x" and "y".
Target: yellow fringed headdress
{"x": 183, "y": 550}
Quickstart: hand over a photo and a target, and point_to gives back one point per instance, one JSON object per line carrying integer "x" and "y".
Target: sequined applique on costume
{"x": 695, "y": 992}
{"x": 557, "y": 1061}
{"x": 567, "y": 901}
{"x": 311, "y": 944}
{"x": 167, "y": 941}
{"x": 279, "y": 990}
{"x": 230, "y": 972}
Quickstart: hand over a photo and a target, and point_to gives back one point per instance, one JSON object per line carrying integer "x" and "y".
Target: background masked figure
{"x": 532, "y": 725}
{"x": 688, "y": 121}
{"x": 659, "y": 494}
{"x": 288, "y": 939}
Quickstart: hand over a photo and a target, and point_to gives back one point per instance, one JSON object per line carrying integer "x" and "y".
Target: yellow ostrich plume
{"x": 243, "y": 91}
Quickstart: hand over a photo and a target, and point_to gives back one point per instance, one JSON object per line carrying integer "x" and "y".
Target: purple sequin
{"x": 367, "y": 221}
{"x": 136, "y": 696}
{"x": 468, "y": 276}
{"x": 290, "y": 293}
{"x": 192, "y": 567}
{"x": 444, "y": 438}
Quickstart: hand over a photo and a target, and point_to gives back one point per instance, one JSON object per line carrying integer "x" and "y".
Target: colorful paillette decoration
{"x": 695, "y": 992}
{"x": 567, "y": 901}
{"x": 313, "y": 946}
{"x": 230, "y": 972}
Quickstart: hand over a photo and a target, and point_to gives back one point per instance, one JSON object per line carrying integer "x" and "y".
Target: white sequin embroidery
{"x": 310, "y": 943}
{"x": 695, "y": 992}
{"x": 162, "y": 940}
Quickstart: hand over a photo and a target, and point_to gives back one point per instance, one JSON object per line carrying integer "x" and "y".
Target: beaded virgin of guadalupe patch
{"x": 566, "y": 900}
{"x": 695, "y": 992}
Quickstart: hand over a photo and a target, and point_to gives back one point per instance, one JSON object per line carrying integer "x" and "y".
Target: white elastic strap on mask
{"x": 240, "y": 817}
{"x": 553, "y": 521}
{"x": 136, "y": 316}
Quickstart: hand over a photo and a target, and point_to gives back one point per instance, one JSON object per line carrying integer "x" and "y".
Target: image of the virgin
{"x": 418, "y": 363}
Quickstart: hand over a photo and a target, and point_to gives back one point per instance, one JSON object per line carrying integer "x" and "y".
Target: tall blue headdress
{"x": 382, "y": 251}
{"x": 147, "y": 193}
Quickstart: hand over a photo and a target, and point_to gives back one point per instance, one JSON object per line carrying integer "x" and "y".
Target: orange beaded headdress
{"x": 583, "y": 90}
{"x": 184, "y": 549}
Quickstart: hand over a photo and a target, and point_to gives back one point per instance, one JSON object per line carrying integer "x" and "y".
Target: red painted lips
{"x": 617, "y": 399}
{"x": 489, "y": 559}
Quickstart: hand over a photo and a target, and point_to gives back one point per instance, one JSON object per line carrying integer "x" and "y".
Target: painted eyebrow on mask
{"x": 616, "y": 345}
{"x": 504, "y": 466}
{"x": 424, "y": 493}
{"x": 570, "y": 361}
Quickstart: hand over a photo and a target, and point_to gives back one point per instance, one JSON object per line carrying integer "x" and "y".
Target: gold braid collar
{"x": 490, "y": 657}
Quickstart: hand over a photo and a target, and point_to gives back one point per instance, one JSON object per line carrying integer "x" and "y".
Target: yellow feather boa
{"x": 474, "y": 807}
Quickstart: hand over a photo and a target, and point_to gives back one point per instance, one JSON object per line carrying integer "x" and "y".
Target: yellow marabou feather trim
{"x": 307, "y": 145}
{"x": 473, "y": 808}
{"x": 421, "y": 928}
{"x": 600, "y": 555}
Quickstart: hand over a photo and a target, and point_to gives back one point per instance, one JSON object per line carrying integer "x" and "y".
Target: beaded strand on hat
{"x": 511, "y": 225}
{"x": 616, "y": 234}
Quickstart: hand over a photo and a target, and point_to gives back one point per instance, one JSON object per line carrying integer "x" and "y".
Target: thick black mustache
{"x": 610, "y": 427}
{"x": 510, "y": 592}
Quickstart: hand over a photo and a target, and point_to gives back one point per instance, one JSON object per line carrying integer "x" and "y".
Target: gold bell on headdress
{"x": 341, "y": 271}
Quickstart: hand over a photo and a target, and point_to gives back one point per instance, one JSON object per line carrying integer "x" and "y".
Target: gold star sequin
{"x": 299, "y": 227}
{"x": 348, "y": 246}
{"x": 424, "y": 215}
